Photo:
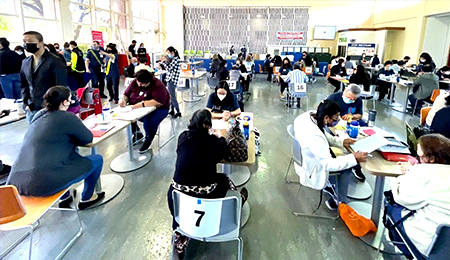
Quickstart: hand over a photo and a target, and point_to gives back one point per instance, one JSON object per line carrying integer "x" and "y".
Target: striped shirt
{"x": 296, "y": 76}
{"x": 173, "y": 71}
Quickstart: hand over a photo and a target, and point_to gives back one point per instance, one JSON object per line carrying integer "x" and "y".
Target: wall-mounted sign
{"x": 357, "y": 49}
{"x": 292, "y": 36}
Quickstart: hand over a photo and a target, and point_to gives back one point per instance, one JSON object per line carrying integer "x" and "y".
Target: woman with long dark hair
{"x": 173, "y": 73}
{"x": 48, "y": 161}
{"x": 361, "y": 77}
{"x": 318, "y": 160}
{"x": 285, "y": 68}
{"x": 222, "y": 103}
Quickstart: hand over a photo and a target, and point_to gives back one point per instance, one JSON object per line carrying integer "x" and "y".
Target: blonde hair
{"x": 248, "y": 59}
{"x": 215, "y": 56}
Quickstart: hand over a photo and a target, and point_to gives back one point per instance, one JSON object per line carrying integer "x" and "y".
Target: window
{"x": 103, "y": 4}
{"x": 121, "y": 21}
{"x": 9, "y": 26}
{"x": 85, "y": 2}
{"x": 48, "y": 29}
{"x": 103, "y": 18}
{"x": 39, "y": 8}
{"x": 119, "y": 6}
{"x": 7, "y": 7}
{"x": 82, "y": 33}
{"x": 80, "y": 14}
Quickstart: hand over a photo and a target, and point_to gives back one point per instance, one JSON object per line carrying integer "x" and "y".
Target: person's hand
{"x": 88, "y": 70}
{"x": 404, "y": 166}
{"x": 122, "y": 103}
{"x": 138, "y": 105}
{"x": 360, "y": 156}
{"x": 346, "y": 117}
{"x": 28, "y": 109}
{"x": 420, "y": 73}
{"x": 447, "y": 79}
{"x": 226, "y": 115}
{"x": 349, "y": 141}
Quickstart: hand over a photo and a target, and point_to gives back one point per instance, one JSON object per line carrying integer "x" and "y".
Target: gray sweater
{"x": 47, "y": 160}
{"x": 427, "y": 83}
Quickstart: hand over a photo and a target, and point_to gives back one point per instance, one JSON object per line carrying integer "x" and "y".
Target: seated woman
{"x": 423, "y": 187}
{"x": 147, "y": 91}
{"x": 337, "y": 70}
{"x": 285, "y": 68}
{"x": 424, "y": 85}
{"x": 198, "y": 154}
{"x": 245, "y": 83}
{"x": 222, "y": 103}
{"x": 222, "y": 72}
{"x": 318, "y": 161}
{"x": 441, "y": 101}
{"x": 48, "y": 161}
{"x": 360, "y": 77}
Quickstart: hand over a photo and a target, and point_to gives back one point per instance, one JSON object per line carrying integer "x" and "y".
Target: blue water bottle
{"x": 354, "y": 129}
{"x": 246, "y": 130}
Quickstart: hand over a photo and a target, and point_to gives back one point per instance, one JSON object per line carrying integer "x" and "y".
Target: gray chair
{"x": 199, "y": 226}
{"x": 172, "y": 135}
{"x": 366, "y": 95}
{"x": 297, "y": 158}
{"x": 292, "y": 95}
{"x": 212, "y": 82}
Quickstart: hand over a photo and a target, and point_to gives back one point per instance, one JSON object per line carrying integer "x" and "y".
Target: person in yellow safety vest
{"x": 78, "y": 67}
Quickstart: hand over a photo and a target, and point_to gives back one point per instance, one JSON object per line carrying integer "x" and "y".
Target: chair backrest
{"x": 206, "y": 217}
{"x": 411, "y": 139}
{"x": 235, "y": 87}
{"x": 127, "y": 82}
{"x": 439, "y": 248}
{"x": 11, "y": 208}
{"x": 296, "y": 148}
{"x": 309, "y": 70}
{"x": 423, "y": 114}
{"x": 260, "y": 68}
{"x": 212, "y": 82}
{"x": 297, "y": 89}
{"x": 182, "y": 83}
{"x": 435, "y": 94}
{"x": 276, "y": 69}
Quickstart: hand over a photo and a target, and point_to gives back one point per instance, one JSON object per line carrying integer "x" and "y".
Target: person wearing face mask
{"x": 132, "y": 49}
{"x": 444, "y": 74}
{"x": 39, "y": 72}
{"x": 337, "y": 70}
{"x": 425, "y": 59}
{"x": 66, "y": 52}
{"x": 94, "y": 63}
{"x": 130, "y": 70}
{"x": 222, "y": 72}
{"x": 374, "y": 61}
{"x": 244, "y": 81}
{"x": 141, "y": 51}
{"x": 48, "y": 161}
{"x": 423, "y": 88}
{"x": 222, "y": 103}
{"x": 318, "y": 160}
{"x": 360, "y": 77}
{"x": 198, "y": 154}
{"x": 77, "y": 64}
{"x": 173, "y": 73}
{"x": 285, "y": 68}
{"x": 296, "y": 76}
{"x": 112, "y": 71}
{"x": 21, "y": 52}
{"x": 383, "y": 86}
{"x": 10, "y": 63}
{"x": 142, "y": 66}
{"x": 403, "y": 62}
{"x": 56, "y": 45}
{"x": 423, "y": 187}
{"x": 147, "y": 91}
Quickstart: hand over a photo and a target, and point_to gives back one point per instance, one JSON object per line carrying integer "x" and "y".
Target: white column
{"x": 66, "y": 21}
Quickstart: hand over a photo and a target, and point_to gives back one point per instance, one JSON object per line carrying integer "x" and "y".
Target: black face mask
{"x": 31, "y": 47}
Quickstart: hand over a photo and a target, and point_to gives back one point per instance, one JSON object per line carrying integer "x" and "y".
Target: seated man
{"x": 404, "y": 61}
{"x": 424, "y": 85}
{"x": 130, "y": 69}
{"x": 383, "y": 86}
{"x": 147, "y": 91}
{"x": 296, "y": 76}
{"x": 350, "y": 103}
{"x": 441, "y": 101}
{"x": 142, "y": 66}
{"x": 441, "y": 122}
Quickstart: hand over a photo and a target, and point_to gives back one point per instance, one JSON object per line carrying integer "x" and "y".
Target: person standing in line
{"x": 78, "y": 67}
{"x": 66, "y": 52}
{"x": 10, "y": 63}
{"x": 112, "y": 72}
{"x": 173, "y": 73}
{"x": 21, "y": 52}
{"x": 232, "y": 50}
{"x": 132, "y": 49}
{"x": 56, "y": 45}
{"x": 141, "y": 52}
{"x": 39, "y": 72}
{"x": 94, "y": 64}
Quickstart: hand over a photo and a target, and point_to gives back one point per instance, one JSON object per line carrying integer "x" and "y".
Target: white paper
{"x": 369, "y": 144}
{"x": 219, "y": 124}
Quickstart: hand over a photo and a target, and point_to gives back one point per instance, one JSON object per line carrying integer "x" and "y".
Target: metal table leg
{"x": 197, "y": 94}
{"x": 192, "y": 97}
{"x": 391, "y": 100}
{"x": 131, "y": 160}
{"x": 111, "y": 184}
{"x": 405, "y": 103}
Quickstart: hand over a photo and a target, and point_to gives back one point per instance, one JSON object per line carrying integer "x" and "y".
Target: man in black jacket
{"x": 78, "y": 66}
{"x": 10, "y": 63}
{"x": 39, "y": 72}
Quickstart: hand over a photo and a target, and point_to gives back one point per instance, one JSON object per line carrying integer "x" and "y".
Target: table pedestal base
{"x": 359, "y": 190}
{"x": 122, "y": 163}
{"x": 111, "y": 184}
{"x": 238, "y": 174}
{"x": 245, "y": 213}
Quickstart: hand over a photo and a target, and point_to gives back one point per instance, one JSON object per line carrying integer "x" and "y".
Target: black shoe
{"x": 331, "y": 204}
{"x": 65, "y": 203}
{"x": 298, "y": 105}
{"x": 103, "y": 96}
{"x": 5, "y": 171}
{"x": 137, "y": 138}
{"x": 358, "y": 175}
{"x": 171, "y": 112}
{"x": 145, "y": 146}
{"x": 329, "y": 189}
{"x": 86, "y": 204}
{"x": 177, "y": 115}
{"x": 110, "y": 99}
{"x": 244, "y": 195}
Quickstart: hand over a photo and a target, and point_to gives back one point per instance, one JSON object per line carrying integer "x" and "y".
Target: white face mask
{"x": 19, "y": 52}
{"x": 447, "y": 73}
{"x": 221, "y": 97}
{"x": 423, "y": 60}
{"x": 347, "y": 100}
{"x": 343, "y": 65}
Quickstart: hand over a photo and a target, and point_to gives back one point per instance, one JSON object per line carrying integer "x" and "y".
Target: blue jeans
{"x": 90, "y": 178}
{"x": 343, "y": 179}
{"x": 173, "y": 96}
{"x": 112, "y": 83}
{"x": 152, "y": 121}
{"x": 11, "y": 85}
{"x": 412, "y": 99}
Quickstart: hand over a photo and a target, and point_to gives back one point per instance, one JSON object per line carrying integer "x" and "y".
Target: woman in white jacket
{"x": 424, "y": 187}
{"x": 317, "y": 158}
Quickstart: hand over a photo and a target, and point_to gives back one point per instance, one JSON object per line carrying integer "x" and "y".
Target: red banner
{"x": 296, "y": 36}
{"x": 98, "y": 36}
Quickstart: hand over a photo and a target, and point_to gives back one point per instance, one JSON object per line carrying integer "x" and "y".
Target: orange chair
{"x": 260, "y": 69}
{"x": 436, "y": 93}
{"x": 423, "y": 114}
{"x": 328, "y": 72}
{"x": 18, "y": 212}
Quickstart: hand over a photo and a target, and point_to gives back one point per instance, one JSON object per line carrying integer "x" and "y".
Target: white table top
{"x": 188, "y": 75}
{"x": 444, "y": 81}
{"x": 118, "y": 126}
{"x": 134, "y": 115}
{"x": 8, "y": 104}
{"x": 193, "y": 63}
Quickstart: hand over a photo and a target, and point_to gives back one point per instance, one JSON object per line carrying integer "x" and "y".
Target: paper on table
{"x": 219, "y": 124}
{"x": 133, "y": 114}
{"x": 369, "y": 144}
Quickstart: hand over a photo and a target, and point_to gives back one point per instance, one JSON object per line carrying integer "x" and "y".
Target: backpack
{"x": 237, "y": 149}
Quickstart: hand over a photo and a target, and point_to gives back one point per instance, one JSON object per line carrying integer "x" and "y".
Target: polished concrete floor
{"x": 137, "y": 223}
